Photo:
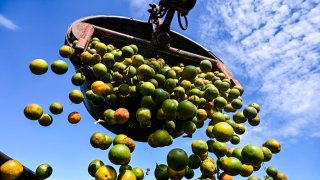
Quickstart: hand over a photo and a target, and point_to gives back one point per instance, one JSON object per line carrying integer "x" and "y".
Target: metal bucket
{"x": 107, "y": 29}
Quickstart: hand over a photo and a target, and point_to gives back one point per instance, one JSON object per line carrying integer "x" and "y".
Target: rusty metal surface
{"x": 27, "y": 173}
{"x": 121, "y": 31}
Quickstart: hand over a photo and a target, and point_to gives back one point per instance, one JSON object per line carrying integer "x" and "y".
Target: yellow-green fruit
{"x": 38, "y": 66}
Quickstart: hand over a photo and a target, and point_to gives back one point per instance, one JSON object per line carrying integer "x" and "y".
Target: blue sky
{"x": 271, "y": 46}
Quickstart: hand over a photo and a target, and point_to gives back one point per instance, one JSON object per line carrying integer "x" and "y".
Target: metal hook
{"x": 185, "y": 20}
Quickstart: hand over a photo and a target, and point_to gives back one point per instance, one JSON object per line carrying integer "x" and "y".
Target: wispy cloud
{"x": 139, "y": 8}
{"x": 274, "y": 44}
{"x": 7, "y": 23}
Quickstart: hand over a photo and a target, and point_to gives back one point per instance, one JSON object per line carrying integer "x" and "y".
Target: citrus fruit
{"x": 235, "y": 139}
{"x": 266, "y": 153}
{"x": 124, "y": 167}
{"x": 138, "y": 172}
{"x": 256, "y": 106}
{"x": 94, "y": 166}
{"x": 127, "y": 51}
{"x": 250, "y": 112}
{"x": 134, "y": 48}
{"x": 186, "y": 110}
{"x": 189, "y": 173}
{"x": 220, "y": 102}
{"x": 99, "y": 70}
{"x": 246, "y": 170}
{"x": 119, "y": 154}
{"x": 207, "y": 167}
{"x": 225, "y": 176}
{"x": 76, "y": 96}
{"x": 236, "y": 103}
{"x": 254, "y": 178}
{"x": 86, "y": 57}
{"x": 56, "y": 108}
{"x": 239, "y": 117}
{"x": 33, "y": 111}
{"x": 271, "y": 171}
{"x": 119, "y": 139}
{"x": 99, "y": 87}
{"x": 222, "y": 131}
{"x": 45, "y": 120}
{"x": 273, "y": 145}
{"x": 44, "y": 171}
{"x": 127, "y": 175}
{"x": 239, "y": 129}
{"x": 59, "y": 67}
{"x": 218, "y": 148}
{"x": 162, "y": 138}
{"x": 137, "y": 60}
{"x": 121, "y": 115}
{"x": 205, "y": 66}
{"x": 232, "y": 166}
{"x": 252, "y": 155}
{"x": 211, "y": 93}
{"x": 161, "y": 172}
{"x": 74, "y": 117}
{"x": 189, "y": 72}
{"x": 65, "y": 51}
{"x": 254, "y": 121}
{"x": 143, "y": 115}
{"x": 38, "y": 66}
{"x": 147, "y": 89}
{"x": 106, "y": 143}
{"x": 177, "y": 159}
{"x": 11, "y": 169}
{"x": 96, "y": 58}
{"x": 199, "y": 146}
{"x": 101, "y": 48}
{"x": 106, "y": 172}
{"x": 108, "y": 116}
{"x": 209, "y": 131}
{"x": 175, "y": 174}
{"x": 169, "y": 106}
{"x": 194, "y": 161}
{"x": 281, "y": 176}
{"x": 237, "y": 153}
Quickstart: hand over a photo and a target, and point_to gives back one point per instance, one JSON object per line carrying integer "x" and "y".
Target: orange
{"x": 94, "y": 166}
{"x": 177, "y": 159}
{"x": 106, "y": 172}
{"x": 59, "y": 67}
{"x": 222, "y": 131}
{"x": 199, "y": 146}
{"x": 45, "y": 120}
{"x": 186, "y": 110}
{"x": 246, "y": 170}
{"x": 232, "y": 166}
{"x": 74, "y": 117}
{"x": 56, "y": 108}
{"x": 127, "y": 175}
{"x": 44, "y": 171}
{"x": 271, "y": 171}
{"x": 33, "y": 111}
{"x": 65, "y": 51}
{"x": 252, "y": 155}
{"x": 76, "y": 96}
{"x": 273, "y": 145}
{"x": 189, "y": 72}
{"x": 121, "y": 115}
{"x": 194, "y": 161}
{"x": 119, "y": 154}
{"x": 161, "y": 172}
{"x": 205, "y": 66}
{"x": 11, "y": 169}
{"x": 38, "y": 66}
{"x": 138, "y": 172}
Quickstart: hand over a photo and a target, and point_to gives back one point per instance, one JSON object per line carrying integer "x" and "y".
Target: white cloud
{"x": 139, "y": 8}
{"x": 7, "y": 23}
{"x": 275, "y": 46}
